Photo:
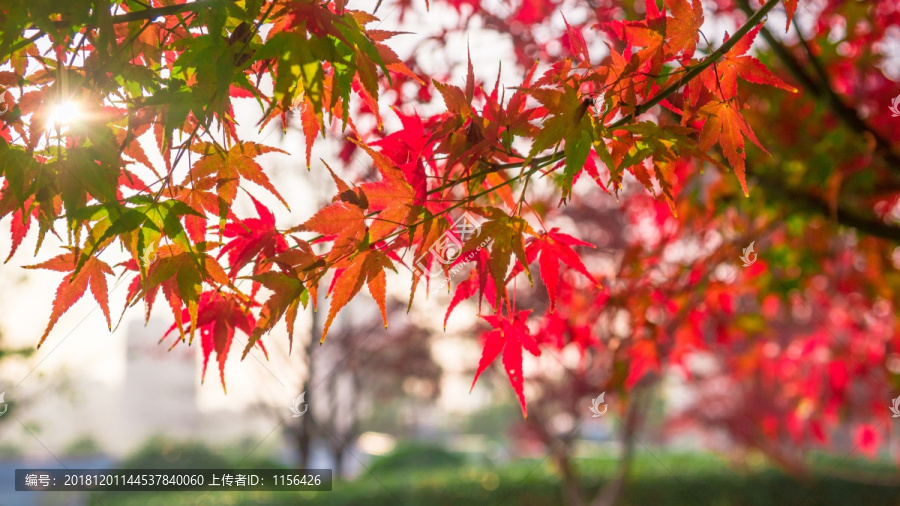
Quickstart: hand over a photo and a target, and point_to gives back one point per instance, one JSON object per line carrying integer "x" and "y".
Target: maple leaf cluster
{"x": 317, "y": 55}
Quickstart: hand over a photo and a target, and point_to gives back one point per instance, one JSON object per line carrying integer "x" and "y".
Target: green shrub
{"x": 415, "y": 456}
{"x": 162, "y": 453}
{"x": 660, "y": 480}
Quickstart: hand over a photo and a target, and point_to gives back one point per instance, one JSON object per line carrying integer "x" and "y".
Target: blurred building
{"x": 159, "y": 394}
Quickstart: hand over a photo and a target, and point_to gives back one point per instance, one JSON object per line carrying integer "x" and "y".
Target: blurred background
{"x": 393, "y": 412}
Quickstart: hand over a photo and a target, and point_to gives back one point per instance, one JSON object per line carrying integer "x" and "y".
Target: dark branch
{"x": 141, "y": 15}
{"x": 823, "y": 90}
{"x": 843, "y": 214}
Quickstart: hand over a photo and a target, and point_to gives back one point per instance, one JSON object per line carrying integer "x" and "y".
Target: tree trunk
{"x": 304, "y": 433}
{"x": 571, "y": 480}
{"x": 609, "y": 494}
{"x": 562, "y": 456}
{"x": 338, "y": 454}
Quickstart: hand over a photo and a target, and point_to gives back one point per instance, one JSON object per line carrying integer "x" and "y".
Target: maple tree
{"x": 628, "y": 97}
{"x": 392, "y": 362}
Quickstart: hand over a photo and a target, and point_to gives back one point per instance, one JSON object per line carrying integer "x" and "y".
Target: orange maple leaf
{"x": 726, "y": 126}
{"x": 683, "y": 27}
{"x": 721, "y": 77}
{"x": 229, "y": 166}
{"x": 365, "y": 268}
{"x": 92, "y": 274}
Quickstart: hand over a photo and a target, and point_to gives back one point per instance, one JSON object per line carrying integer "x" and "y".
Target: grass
{"x": 661, "y": 480}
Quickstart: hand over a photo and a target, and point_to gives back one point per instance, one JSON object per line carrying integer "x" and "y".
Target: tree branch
{"x": 141, "y": 15}
{"x": 690, "y": 74}
{"x": 823, "y": 90}
{"x": 843, "y": 214}
{"x": 153, "y": 12}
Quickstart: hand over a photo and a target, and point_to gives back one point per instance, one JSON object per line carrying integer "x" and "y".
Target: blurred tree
{"x": 366, "y": 365}
{"x": 83, "y": 446}
{"x": 7, "y": 355}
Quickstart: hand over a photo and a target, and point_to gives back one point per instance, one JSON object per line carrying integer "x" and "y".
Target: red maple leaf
{"x": 508, "y": 337}
{"x": 255, "y": 240}
{"x": 218, "y": 316}
{"x": 867, "y": 438}
{"x": 554, "y": 247}
{"x": 790, "y": 7}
